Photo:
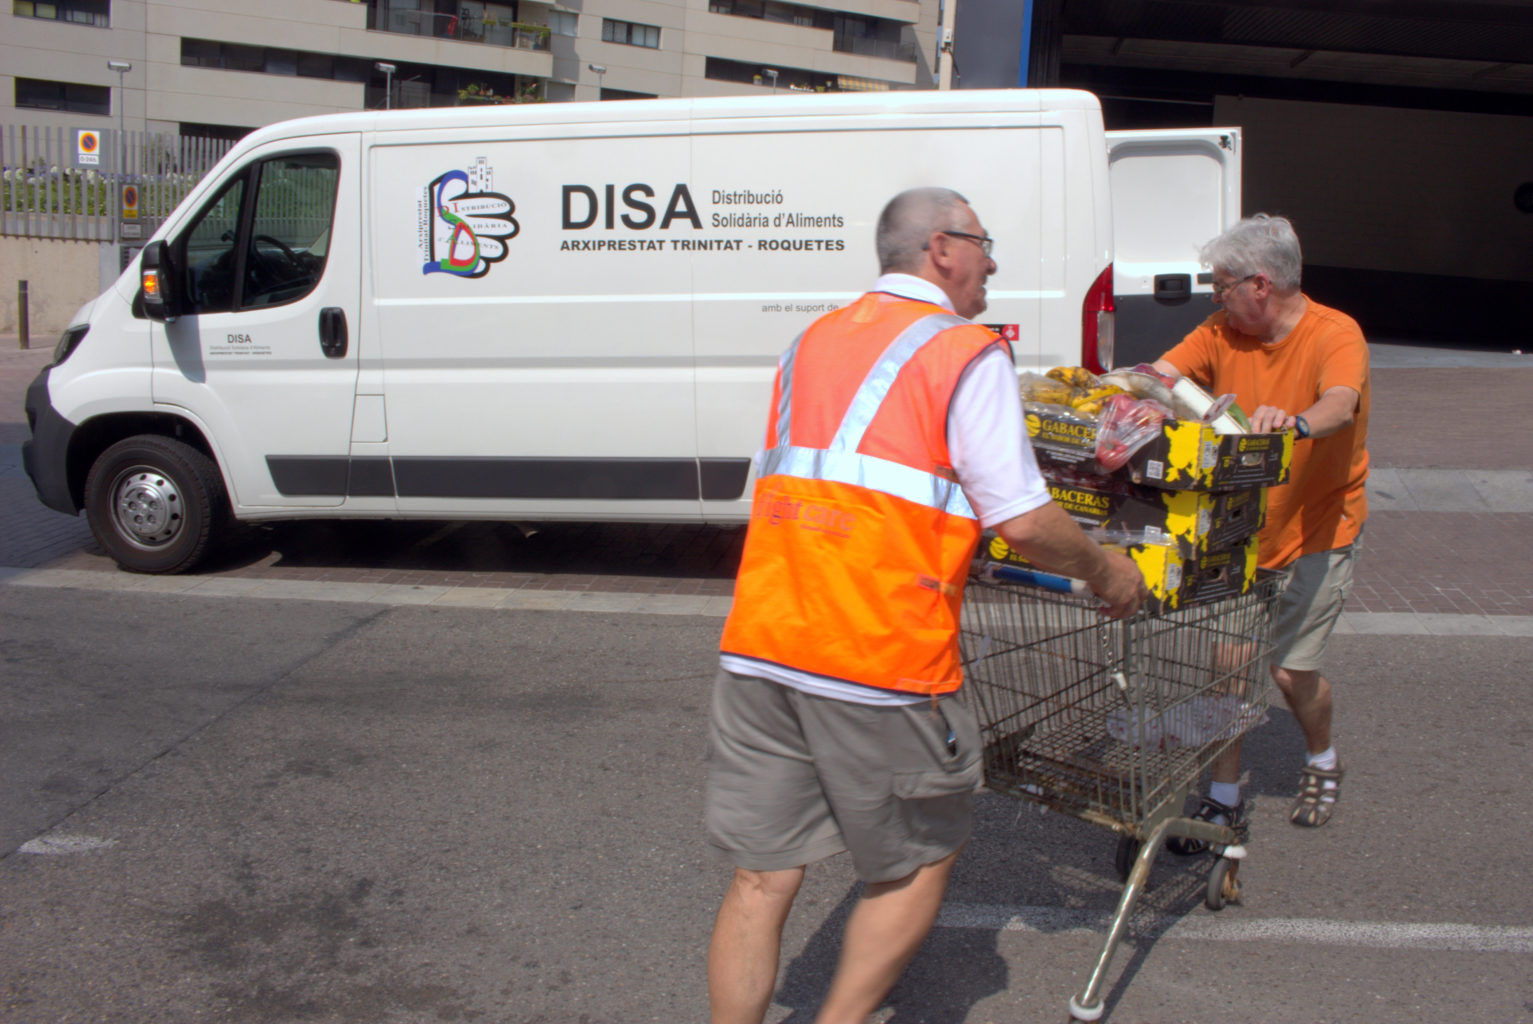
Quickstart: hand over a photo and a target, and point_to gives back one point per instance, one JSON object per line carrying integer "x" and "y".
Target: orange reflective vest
{"x": 860, "y": 535}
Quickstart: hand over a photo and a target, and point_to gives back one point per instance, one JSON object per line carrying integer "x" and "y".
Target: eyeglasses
{"x": 985, "y": 242}
{"x": 1221, "y": 290}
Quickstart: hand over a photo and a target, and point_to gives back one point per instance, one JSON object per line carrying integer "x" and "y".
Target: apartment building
{"x": 221, "y": 67}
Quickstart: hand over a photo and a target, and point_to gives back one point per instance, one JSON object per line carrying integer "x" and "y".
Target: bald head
{"x": 909, "y": 220}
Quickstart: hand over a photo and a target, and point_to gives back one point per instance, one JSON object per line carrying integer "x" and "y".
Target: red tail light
{"x": 1097, "y": 324}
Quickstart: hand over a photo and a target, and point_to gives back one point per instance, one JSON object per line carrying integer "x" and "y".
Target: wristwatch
{"x": 1301, "y": 427}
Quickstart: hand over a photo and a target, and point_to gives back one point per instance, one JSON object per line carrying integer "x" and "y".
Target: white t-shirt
{"x": 995, "y": 466}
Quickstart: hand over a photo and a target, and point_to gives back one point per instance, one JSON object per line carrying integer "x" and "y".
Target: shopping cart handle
{"x": 995, "y": 572}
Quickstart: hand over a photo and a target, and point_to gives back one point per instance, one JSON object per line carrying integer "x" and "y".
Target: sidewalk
{"x": 1450, "y": 530}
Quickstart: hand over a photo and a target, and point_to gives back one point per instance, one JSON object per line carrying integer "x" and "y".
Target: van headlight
{"x": 68, "y": 343}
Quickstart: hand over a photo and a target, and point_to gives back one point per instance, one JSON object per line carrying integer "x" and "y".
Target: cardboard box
{"x": 1175, "y": 580}
{"x": 1198, "y": 520}
{"x": 1186, "y": 456}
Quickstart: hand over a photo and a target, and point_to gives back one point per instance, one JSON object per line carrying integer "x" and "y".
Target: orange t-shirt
{"x": 1324, "y": 503}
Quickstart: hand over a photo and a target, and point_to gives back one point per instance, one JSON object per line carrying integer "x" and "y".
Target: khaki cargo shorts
{"x": 794, "y": 778}
{"x": 1318, "y": 586}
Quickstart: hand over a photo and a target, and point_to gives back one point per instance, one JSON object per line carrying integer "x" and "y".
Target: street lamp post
{"x": 122, "y": 68}
{"x": 600, "y": 69}
{"x": 388, "y": 82}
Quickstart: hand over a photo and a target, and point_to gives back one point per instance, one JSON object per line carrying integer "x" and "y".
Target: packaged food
{"x": 1125, "y": 425}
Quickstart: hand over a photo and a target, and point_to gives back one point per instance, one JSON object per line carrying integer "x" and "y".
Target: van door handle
{"x": 332, "y": 332}
{"x": 1173, "y": 287}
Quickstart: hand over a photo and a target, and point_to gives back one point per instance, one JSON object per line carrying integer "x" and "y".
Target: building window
{"x": 224, "y": 132}
{"x": 414, "y": 85}
{"x": 629, "y": 33}
{"x": 78, "y": 12}
{"x": 874, "y": 37}
{"x": 769, "y": 10}
{"x": 788, "y": 79}
{"x": 563, "y": 23}
{"x": 273, "y": 60}
{"x": 871, "y": 37}
{"x": 80, "y": 99}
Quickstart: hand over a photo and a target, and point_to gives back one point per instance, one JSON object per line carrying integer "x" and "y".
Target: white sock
{"x": 1325, "y": 761}
{"x": 1226, "y": 793}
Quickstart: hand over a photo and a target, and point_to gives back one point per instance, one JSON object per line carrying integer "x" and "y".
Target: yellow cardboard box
{"x": 1198, "y": 520}
{"x": 1187, "y": 456}
{"x": 1174, "y": 580}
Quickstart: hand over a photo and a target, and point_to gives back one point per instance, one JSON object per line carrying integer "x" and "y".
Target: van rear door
{"x": 1172, "y": 191}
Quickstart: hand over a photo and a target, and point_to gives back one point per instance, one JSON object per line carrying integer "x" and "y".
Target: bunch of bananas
{"x": 1091, "y": 401}
{"x": 1077, "y": 377}
{"x": 1075, "y": 387}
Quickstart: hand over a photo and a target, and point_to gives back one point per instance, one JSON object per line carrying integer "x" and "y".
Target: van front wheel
{"x": 153, "y": 503}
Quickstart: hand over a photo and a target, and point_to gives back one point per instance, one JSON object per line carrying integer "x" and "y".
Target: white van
{"x": 536, "y": 312}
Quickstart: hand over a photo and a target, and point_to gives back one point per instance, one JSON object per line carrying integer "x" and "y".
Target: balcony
{"x": 487, "y": 23}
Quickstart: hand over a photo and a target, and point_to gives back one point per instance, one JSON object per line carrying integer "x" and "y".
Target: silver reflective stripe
{"x": 841, "y": 463}
{"x": 785, "y": 400}
{"x": 875, "y": 386}
{"x": 907, "y": 482}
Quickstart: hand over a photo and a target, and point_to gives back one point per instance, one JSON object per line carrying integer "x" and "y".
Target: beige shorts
{"x": 794, "y": 778}
{"x": 1318, "y": 587}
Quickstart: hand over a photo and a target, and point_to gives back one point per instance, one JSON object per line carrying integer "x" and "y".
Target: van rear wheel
{"x": 153, "y": 503}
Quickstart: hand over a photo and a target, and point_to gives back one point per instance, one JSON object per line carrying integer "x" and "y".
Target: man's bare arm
{"x": 1051, "y": 540}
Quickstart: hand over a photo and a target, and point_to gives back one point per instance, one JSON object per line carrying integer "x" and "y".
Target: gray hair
{"x": 1258, "y": 245}
{"x": 908, "y": 222}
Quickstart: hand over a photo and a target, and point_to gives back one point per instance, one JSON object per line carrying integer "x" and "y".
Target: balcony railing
{"x": 491, "y": 31}
{"x": 872, "y": 46}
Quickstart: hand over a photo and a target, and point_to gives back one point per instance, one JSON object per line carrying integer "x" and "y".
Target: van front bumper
{"x": 45, "y": 455}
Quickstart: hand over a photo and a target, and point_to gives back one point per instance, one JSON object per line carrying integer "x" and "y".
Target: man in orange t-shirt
{"x": 1300, "y": 366}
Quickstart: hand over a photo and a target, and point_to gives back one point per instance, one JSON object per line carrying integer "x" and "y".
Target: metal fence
{"x": 48, "y": 193}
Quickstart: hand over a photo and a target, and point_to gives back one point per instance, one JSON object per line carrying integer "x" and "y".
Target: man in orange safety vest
{"x": 894, "y": 438}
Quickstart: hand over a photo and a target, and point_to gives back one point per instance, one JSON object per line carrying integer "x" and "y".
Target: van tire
{"x": 154, "y": 503}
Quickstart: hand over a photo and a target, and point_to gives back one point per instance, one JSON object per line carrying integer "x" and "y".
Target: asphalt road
{"x": 283, "y": 811}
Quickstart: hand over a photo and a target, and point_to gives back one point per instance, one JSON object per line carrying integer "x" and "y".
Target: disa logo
{"x": 464, "y": 225}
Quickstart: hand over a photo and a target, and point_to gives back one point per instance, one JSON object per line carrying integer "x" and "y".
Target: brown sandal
{"x": 1314, "y": 804}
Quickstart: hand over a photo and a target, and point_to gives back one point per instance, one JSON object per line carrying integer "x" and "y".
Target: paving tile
{"x": 538, "y": 600}
{"x": 1389, "y": 623}
{"x": 1442, "y": 490}
{"x": 1504, "y": 491}
{"x": 471, "y": 597}
{"x": 678, "y": 604}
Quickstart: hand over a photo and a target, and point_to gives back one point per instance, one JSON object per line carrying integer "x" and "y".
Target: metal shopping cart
{"x": 1114, "y": 721}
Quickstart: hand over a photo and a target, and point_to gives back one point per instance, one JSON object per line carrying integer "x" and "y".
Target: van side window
{"x": 290, "y": 232}
{"x": 208, "y": 252}
{"x": 265, "y": 248}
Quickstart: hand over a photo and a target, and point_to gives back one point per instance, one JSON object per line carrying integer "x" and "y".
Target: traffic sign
{"x": 130, "y": 202}
{"x": 87, "y": 147}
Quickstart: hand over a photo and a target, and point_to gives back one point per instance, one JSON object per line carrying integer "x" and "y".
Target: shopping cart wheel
{"x": 1082, "y": 1013}
{"x": 1127, "y": 853}
{"x": 1223, "y": 887}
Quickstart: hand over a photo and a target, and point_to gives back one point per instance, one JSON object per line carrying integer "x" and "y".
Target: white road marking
{"x": 401, "y": 594}
{"x": 1230, "y": 927}
{"x": 56, "y": 845}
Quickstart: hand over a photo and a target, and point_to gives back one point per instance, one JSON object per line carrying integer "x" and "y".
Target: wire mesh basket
{"x": 1105, "y": 719}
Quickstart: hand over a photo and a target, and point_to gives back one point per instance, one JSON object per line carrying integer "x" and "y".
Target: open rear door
{"x": 1172, "y": 190}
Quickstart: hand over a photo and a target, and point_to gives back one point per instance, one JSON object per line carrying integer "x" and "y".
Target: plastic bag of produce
{"x": 1126, "y": 425}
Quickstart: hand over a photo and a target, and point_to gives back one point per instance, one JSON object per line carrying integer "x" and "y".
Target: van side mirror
{"x": 157, "y": 283}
